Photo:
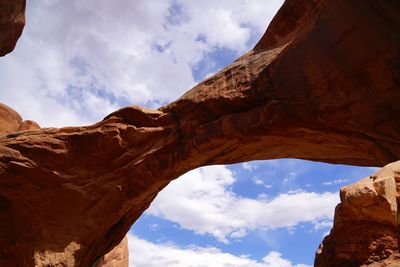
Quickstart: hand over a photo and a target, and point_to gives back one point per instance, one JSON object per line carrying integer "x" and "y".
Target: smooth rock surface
{"x": 366, "y": 225}
{"x": 322, "y": 84}
{"x": 12, "y": 22}
{"x": 29, "y": 125}
{"x": 11, "y": 121}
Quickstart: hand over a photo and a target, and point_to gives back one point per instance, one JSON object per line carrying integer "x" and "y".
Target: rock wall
{"x": 366, "y": 224}
{"x": 10, "y": 122}
{"x": 322, "y": 84}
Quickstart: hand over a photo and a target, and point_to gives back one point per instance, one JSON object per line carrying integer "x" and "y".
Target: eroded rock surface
{"x": 12, "y": 22}
{"x": 322, "y": 84}
{"x": 366, "y": 225}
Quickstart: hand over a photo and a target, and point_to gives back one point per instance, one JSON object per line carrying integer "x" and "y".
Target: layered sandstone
{"x": 322, "y": 84}
{"x": 12, "y": 22}
{"x": 12, "y": 122}
{"x": 366, "y": 225}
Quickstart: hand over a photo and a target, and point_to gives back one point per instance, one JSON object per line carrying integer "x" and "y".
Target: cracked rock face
{"x": 366, "y": 224}
{"x": 322, "y": 84}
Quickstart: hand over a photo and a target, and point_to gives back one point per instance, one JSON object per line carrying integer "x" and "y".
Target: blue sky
{"x": 77, "y": 61}
{"x": 253, "y": 210}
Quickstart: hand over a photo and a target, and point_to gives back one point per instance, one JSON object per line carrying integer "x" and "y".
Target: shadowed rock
{"x": 12, "y": 22}
{"x": 322, "y": 84}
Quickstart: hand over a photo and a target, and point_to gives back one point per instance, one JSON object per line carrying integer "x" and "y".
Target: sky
{"x": 77, "y": 61}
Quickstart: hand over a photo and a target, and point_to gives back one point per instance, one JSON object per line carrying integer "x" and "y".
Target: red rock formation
{"x": 12, "y": 22}
{"x": 366, "y": 225}
{"x": 11, "y": 121}
{"x": 322, "y": 84}
{"x": 118, "y": 257}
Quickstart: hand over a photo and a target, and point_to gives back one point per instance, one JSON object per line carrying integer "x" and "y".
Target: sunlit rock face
{"x": 117, "y": 257}
{"x": 11, "y": 121}
{"x": 12, "y": 22}
{"x": 366, "y": 224}
{"x": 322, "y": 84}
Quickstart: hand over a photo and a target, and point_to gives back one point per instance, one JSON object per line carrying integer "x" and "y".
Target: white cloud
{"x": 249, "y": 166}
{"x": 79, "y": 60}
{"x": 323, "y": 224}
{"x": 259, "y": 181}
{"x": 143, "y": 253}
{"x": 154, "y": 227}
{"x": 337, "y": 181}
{"x": 275, "y": 259}
{"x": 203, "y": 202}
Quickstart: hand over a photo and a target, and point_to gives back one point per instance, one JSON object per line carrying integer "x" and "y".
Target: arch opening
{"x": 259, "y": 213}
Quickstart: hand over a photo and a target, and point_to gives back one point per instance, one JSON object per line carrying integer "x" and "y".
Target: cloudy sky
{"x": 78, "y": 60}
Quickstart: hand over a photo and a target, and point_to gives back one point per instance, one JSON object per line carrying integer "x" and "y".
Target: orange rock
{"x": 10, "y": 119}
{"x": 322, "y": 84}
{"x": 29, "y": 125}
{"x": 117, "y": 257}
{"x": 366, "y": 224}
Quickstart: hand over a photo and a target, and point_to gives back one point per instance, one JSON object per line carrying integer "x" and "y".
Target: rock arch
{"x": 322, "y": 84}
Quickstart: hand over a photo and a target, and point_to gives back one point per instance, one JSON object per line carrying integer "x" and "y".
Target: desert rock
{"x": 117, "y": 257}
{"x": 11, "y": 121}
{"x": 12, "y": 22}
{"x": 322, "y": 84}
{"x": 366, "y": 224}
{"x": 28, "y": 125}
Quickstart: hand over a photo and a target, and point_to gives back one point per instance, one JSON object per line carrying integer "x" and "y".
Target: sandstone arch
{"x": 322, "y": 84}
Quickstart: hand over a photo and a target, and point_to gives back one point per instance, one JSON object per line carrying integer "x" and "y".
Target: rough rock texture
{"x": 11, "y": 121}
{"x": 322, "y": 84}
{"x": 12, "y": 22}
{"x": 118, "y": 257}
{"x": 366, "y": 225}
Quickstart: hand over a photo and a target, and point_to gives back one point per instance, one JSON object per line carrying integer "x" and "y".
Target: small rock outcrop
{"x": 12, "y": 22}
{"x": 366, "y": 224}
{"x": 118, "y": 257}
{"x": 322, "y": 84}
{"x": 11, "y": 121}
